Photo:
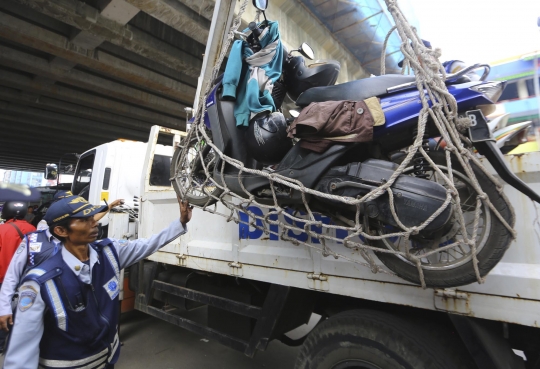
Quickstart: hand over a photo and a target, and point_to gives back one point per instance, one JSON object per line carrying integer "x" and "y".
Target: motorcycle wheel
{"x": 200, "y": 190}
{"x": 453, "y": 267}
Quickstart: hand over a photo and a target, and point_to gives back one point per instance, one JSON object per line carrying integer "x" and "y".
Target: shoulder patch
{"x": 35, "y": 246}
{"x": 21, "y": 248}
{"x": 112, "y": 287}
{"x": 27, "y": 296}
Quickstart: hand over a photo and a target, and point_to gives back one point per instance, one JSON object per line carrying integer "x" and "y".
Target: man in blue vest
{"x": 29, "y": 256}
{"x": 67, "y": 315}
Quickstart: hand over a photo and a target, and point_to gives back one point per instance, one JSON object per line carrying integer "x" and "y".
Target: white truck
{"x": 256, "y": 288}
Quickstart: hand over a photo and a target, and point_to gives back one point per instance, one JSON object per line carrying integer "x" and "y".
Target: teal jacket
{"x": 249, "y": 77}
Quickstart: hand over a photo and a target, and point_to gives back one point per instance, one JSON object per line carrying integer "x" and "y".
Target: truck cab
{"x": 114, "y": 170}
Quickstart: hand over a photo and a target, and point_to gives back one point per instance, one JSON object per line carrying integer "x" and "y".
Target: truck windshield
{"x": 160, "y": 173}
{"x": 81, "y": 182}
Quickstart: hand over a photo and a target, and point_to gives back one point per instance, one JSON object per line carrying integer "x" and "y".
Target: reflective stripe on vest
{"x": 37, "y": 272}
{"x": 114, "y": 347}
{"x": 58, "y": 306}
{"x": 93, "y": 361}
{"x": 108, "y": 252}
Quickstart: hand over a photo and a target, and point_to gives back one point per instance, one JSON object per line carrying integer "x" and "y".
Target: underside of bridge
{"x": 75, "y": 74}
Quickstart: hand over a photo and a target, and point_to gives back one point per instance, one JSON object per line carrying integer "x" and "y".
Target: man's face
{"x": 82, "y": 231}
{"x": 30, "y": 210}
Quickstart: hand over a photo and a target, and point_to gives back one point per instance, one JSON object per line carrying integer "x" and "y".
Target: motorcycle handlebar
{"x": 468, "y": 69}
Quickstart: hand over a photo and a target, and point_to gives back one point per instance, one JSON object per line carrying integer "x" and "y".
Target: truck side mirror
{"x": 51, "y": 171}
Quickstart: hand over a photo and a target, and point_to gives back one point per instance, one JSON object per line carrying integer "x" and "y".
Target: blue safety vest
{"x": 39, "y": 248}
{"x": 81, "y": 320}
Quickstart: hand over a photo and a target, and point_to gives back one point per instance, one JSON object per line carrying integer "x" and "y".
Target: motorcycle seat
{"x": 355, "y": 90}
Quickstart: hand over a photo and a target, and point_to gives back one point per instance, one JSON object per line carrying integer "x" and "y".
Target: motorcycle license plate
{"x": 479, "y": 130}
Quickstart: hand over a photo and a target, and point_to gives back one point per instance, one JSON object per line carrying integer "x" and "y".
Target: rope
{"x": 442, "y": 112}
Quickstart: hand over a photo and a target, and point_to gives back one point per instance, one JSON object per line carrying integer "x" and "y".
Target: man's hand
{"x": 113, "y": 204}
{"x": 185, "y": 211}
{"x": 116, "y": 203}
{"x": 5, "y": 322}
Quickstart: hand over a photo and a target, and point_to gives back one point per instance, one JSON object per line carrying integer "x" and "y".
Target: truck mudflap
{"x": 489, "y": 349}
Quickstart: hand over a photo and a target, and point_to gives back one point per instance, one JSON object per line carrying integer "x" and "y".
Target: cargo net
{"x": 430, "y": 76}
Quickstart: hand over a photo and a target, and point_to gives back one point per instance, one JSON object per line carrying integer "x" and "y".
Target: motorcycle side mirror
{"x": 294, "y": 113}
{"x": 260, "y": 4}
{"x": 307, "y": 51}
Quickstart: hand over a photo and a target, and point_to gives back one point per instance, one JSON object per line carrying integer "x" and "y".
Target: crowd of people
{"x": 59, "y": 284}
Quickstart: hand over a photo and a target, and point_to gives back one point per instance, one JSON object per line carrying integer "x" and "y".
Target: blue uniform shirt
{"x": 15, "y": 273}
{"x": 23, "y": 350}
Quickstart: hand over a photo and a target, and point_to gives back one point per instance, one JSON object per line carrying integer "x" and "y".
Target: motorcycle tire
{"x": 374, "y": 339}
{"x": 205, "y": 197}
{"x": 492, "y": 249}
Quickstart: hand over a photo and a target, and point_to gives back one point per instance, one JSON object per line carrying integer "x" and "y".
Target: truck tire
{"x": 365, "y": 339}
{"x": 494, "y": 244}
{"x": 207, "y": 193}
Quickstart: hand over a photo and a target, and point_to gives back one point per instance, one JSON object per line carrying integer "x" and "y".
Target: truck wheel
{"x": 200, "y": 190}
{"x": 364, "y": 339}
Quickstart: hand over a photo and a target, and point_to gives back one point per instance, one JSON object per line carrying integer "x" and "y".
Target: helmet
{"x": 299, "y": 78}
{"x": 267, "y": 139}
{"x": 14, "y": 209}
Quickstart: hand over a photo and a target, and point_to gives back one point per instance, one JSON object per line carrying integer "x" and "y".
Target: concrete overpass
{"x": 75, "y": 74}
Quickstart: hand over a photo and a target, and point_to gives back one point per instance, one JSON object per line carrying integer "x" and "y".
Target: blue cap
{"x": 71, "y": 207}
{"x": 61, "y": 194}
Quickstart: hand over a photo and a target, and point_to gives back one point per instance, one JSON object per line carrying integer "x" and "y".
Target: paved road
{"x": 150, "y": 343}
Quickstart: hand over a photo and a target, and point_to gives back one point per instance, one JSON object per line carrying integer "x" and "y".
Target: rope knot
{"x": 463, "y": 151}
{"x": 483, "y": 197}
{"x": 462, "y": 124}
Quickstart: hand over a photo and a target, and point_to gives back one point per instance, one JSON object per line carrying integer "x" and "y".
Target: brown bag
{"x": 320, "y": 124}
